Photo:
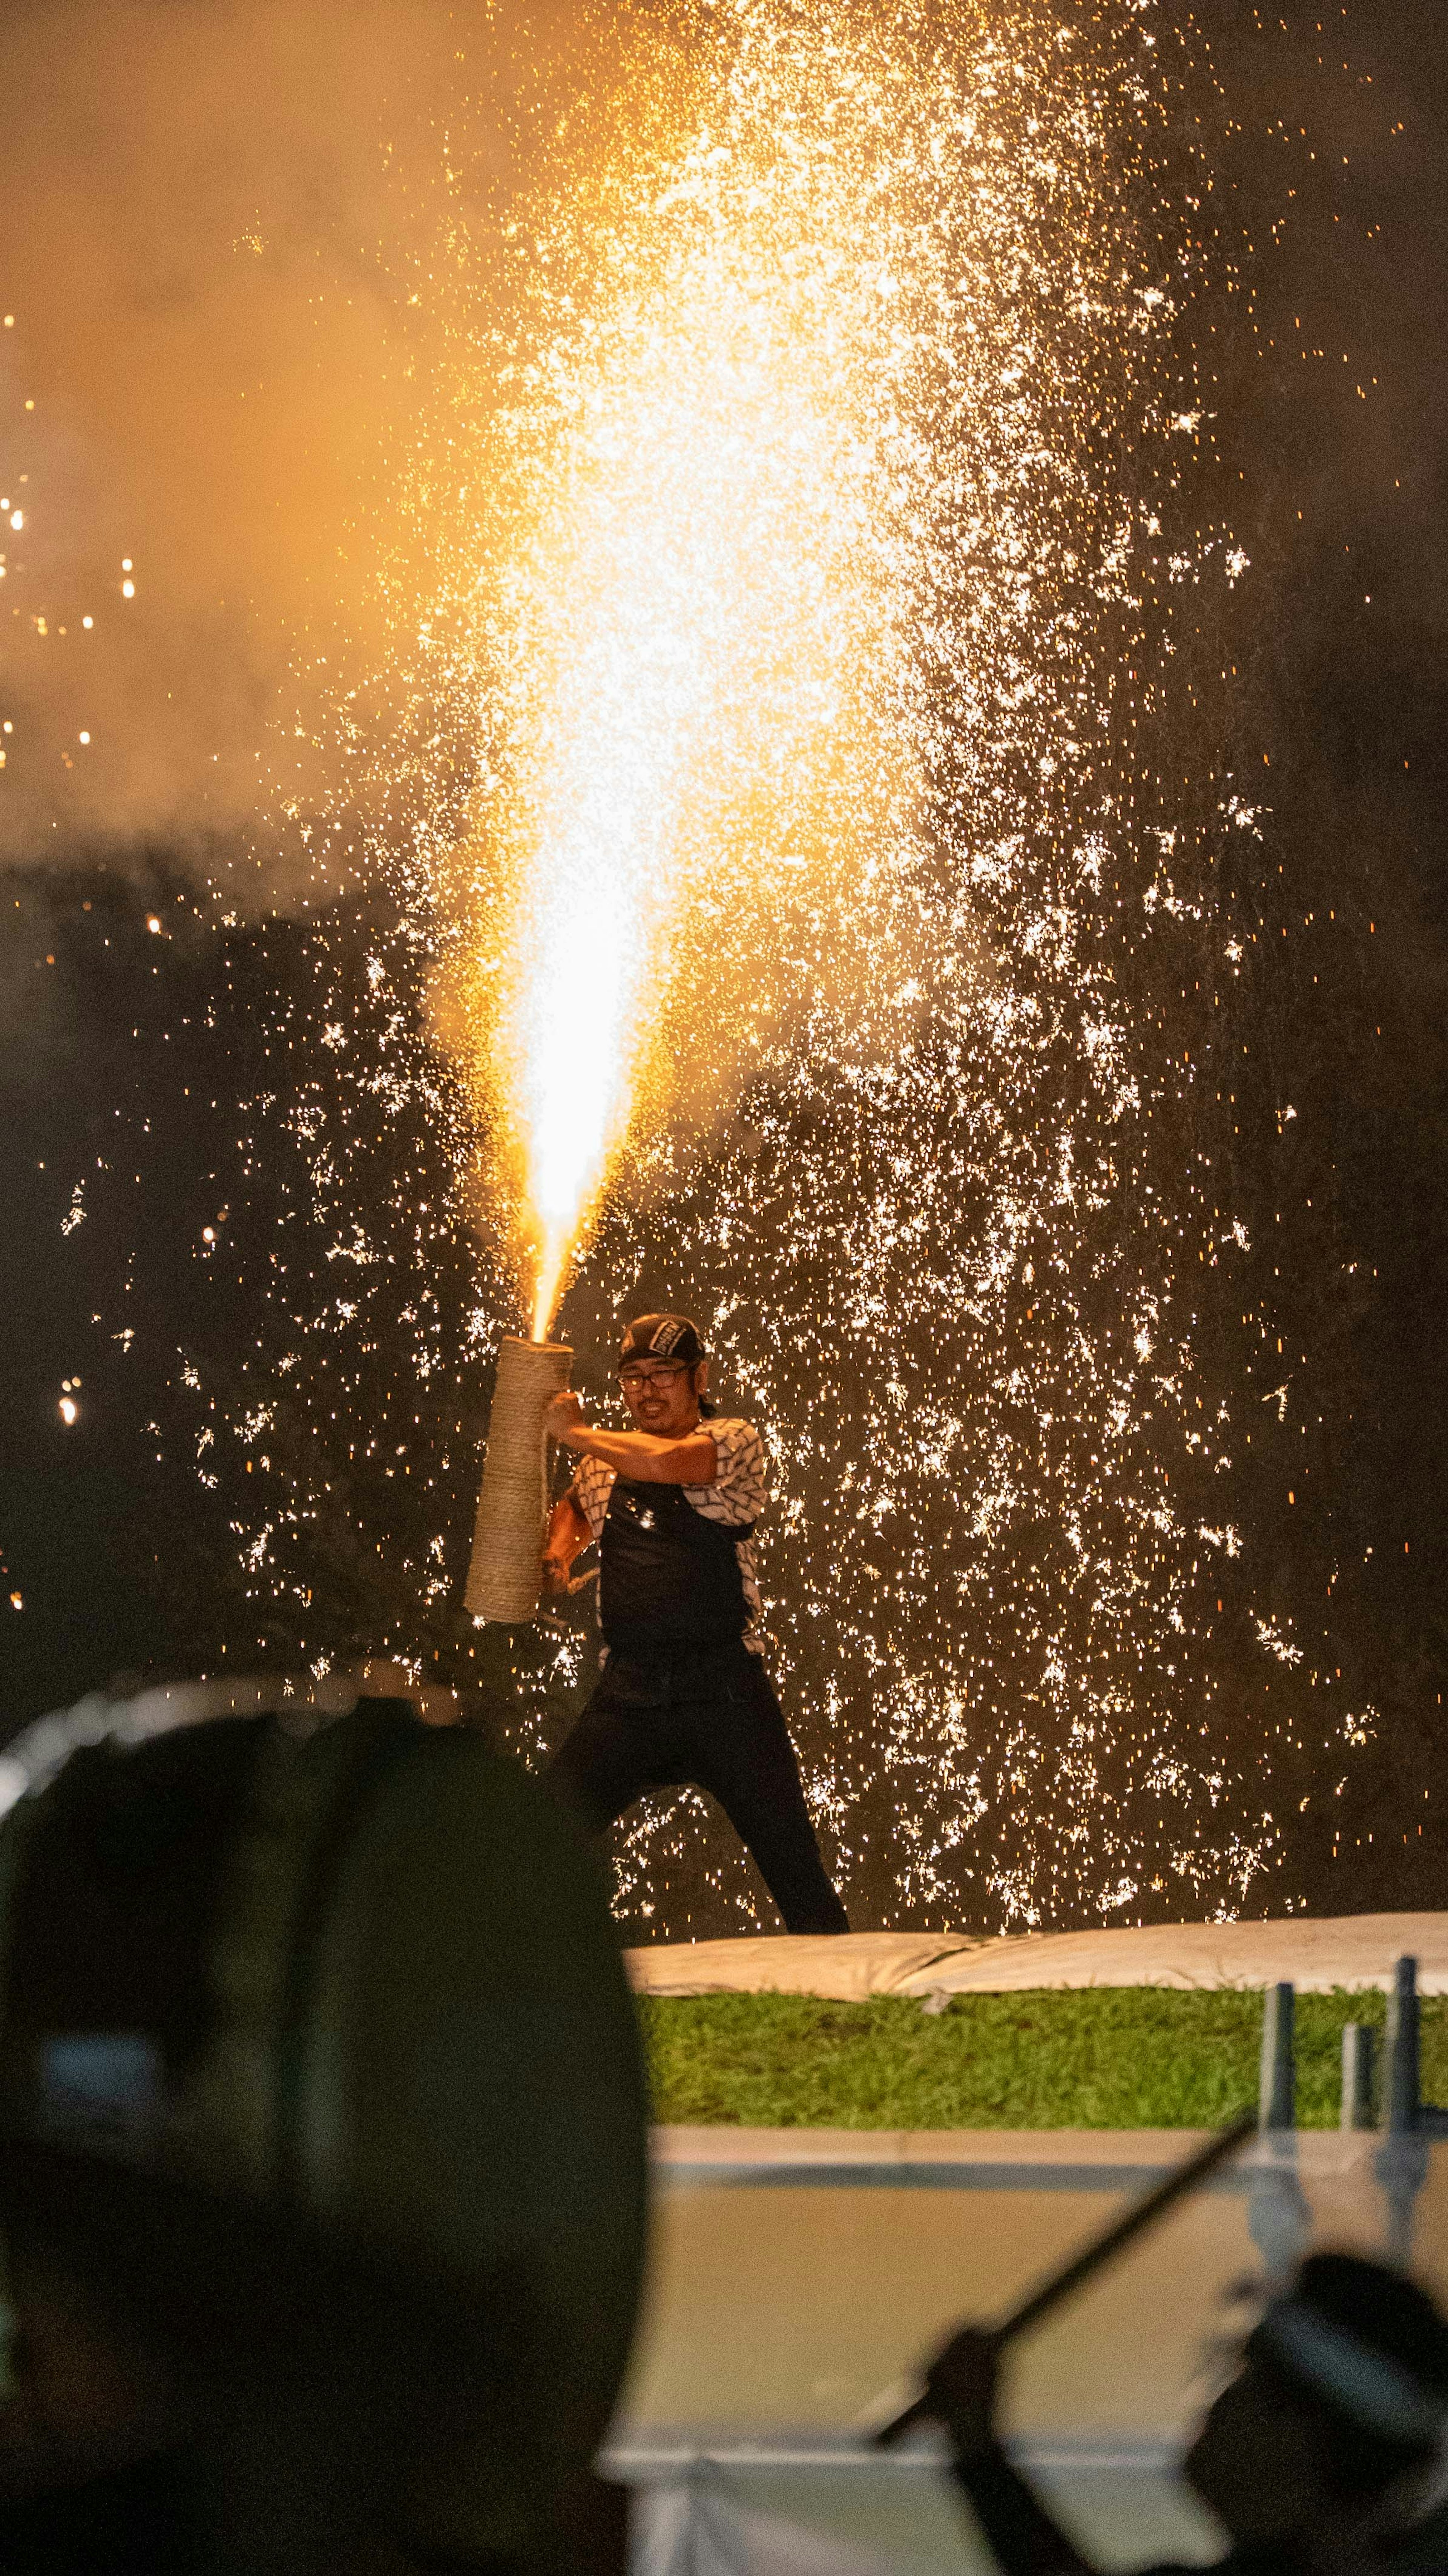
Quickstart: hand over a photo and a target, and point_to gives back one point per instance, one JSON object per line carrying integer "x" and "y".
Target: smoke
{"x": 1329, "y": 388}
{"x": 214, "y": 224}
{"x": 207, "y": 214}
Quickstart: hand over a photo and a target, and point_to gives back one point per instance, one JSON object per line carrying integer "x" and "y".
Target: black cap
{"x": 662, "y": 1337}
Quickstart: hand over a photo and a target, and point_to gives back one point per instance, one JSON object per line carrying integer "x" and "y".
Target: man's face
{"x": 663, "y": 1395}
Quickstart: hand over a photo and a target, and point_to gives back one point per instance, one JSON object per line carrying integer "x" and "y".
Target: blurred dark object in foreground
{"x": 1326, "y": 2448}
{"x": 321, "y": 2159}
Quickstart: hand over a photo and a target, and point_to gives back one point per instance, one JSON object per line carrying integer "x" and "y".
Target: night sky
{"x": 211, "y": 411}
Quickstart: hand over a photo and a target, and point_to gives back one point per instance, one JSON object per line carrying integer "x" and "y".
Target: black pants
{"x": 710, "y": 1719}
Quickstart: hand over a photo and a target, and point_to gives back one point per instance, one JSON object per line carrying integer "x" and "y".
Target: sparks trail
{"x": 768, "y": 578}
{"x": 779, "y": 822}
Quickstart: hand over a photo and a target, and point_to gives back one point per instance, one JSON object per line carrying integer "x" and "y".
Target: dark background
{"x": 163, "y": 1067}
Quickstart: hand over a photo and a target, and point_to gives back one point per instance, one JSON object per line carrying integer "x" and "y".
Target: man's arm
{"x": 1023, "y": 2538}
{"x": 962, "y": 2387}
{"x": 568, "y": 1535}
{"x": 636, "y": 1455}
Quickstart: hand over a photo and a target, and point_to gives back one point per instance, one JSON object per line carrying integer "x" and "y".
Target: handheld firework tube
{"x": 505, "y": 1576}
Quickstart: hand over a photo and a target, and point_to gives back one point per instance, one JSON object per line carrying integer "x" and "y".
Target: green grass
{"x": 1117, "y": 2057}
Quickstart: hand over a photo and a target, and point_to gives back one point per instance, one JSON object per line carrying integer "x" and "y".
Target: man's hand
{"x": 568, "y": 1535}
{"x": 557, "y": 1565}
{"x": 563, "y": 1418}
{"x": 961, "y": 2389}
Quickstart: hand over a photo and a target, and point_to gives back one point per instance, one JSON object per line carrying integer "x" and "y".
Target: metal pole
{"x": 1400, "y": 2074}
{"x": 1357, "y": 2075}
{"x": 1277, "y": 2088}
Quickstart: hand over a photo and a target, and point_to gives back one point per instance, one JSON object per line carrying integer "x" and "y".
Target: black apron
{"x": 669, "y": 1581}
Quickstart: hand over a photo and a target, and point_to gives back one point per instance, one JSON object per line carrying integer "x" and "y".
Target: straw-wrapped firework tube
{"x": 505, "y": 1577}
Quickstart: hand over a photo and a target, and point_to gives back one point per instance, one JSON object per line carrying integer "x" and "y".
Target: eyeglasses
{"x": 636, "y": 1379}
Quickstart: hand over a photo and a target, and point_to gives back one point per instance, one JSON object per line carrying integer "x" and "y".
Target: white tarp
{"x": 846, "y": 1966}
{"x": 699, "y": 2530}
{"x": 1315, "y": 1953}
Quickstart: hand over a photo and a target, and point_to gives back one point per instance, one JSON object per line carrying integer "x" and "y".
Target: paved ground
{"x": 1316, "y": 1953}
{"x": 799, "y": 2277}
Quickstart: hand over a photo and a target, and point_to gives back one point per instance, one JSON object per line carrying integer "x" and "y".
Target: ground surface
{"x": 799, "y": 2277}
{"x": 1111, "y": 2058}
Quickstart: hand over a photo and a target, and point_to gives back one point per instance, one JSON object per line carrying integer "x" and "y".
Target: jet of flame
{"x": 811, "y": 547}
{"x": 700, "y": 634}
{"x": 688, "y": 614}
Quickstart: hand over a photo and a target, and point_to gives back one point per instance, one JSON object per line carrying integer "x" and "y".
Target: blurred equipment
{"x": 321, "y": 2108}
{"x": 505, "y": 1576}
{"x": 1324, "y": 2449}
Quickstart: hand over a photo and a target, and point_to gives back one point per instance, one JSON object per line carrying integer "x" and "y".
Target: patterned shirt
{"x": 737, "y": 1496}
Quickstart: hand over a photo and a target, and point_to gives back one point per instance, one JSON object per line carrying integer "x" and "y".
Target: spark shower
{"x": 785, "y": 579}
{"x": 767, "y": 545}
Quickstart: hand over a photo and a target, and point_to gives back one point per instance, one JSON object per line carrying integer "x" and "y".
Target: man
{"x": 1319, "y": 2457}
{"x": 684, "y": 1696}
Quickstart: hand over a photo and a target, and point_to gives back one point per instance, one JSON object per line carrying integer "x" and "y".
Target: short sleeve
{"x": 741, "y": 1488}
{"x": 592, "y": 1486}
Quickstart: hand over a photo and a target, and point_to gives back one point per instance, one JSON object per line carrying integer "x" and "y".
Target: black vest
{"x": 668, "y": 1579}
